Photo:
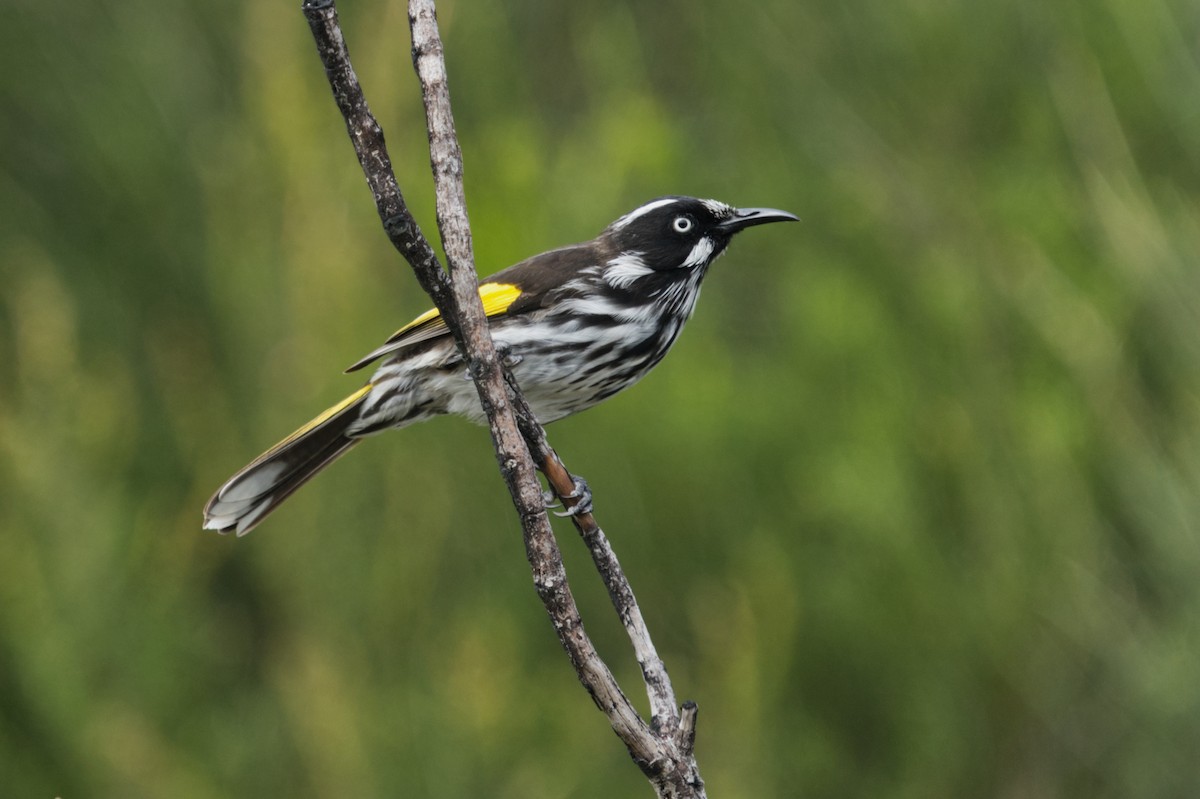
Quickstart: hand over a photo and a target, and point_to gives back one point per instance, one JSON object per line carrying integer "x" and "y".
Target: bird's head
{"x": 683, "y": 232}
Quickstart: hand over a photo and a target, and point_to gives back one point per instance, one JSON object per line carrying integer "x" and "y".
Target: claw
{"x": 508, "y": 357}
{"x": 549, "y": 500}
{"x": 583, "y": 496}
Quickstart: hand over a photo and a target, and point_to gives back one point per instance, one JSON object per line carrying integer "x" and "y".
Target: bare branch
{"x": 663, "y": 749}
{"x": 366, "y": 135}
{"x": 654, "y": 672}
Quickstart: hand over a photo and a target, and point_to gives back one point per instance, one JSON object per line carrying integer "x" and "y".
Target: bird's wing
{"x": 518, "y": 289}
{"x": 497, "y": 299}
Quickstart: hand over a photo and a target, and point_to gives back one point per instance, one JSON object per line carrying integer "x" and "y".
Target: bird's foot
{"x": 508, "y": 357}
{"x": 582, "y": 496}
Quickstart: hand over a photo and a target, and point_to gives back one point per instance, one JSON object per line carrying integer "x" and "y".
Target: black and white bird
{"x": 575, "y": 325}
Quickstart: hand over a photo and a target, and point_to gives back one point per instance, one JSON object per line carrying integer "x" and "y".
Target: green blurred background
{"x": 912, "y": 507}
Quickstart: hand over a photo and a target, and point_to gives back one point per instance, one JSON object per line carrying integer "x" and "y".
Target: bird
{"x": 574, "y": 326}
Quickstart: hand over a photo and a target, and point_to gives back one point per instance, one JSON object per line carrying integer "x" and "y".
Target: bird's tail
{"x": 248, "y": 496}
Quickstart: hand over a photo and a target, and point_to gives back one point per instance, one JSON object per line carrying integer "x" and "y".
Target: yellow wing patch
{"x": 497, "y": 298}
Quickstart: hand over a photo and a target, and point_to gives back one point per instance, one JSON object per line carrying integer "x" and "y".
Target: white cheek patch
{"x": 700, "y": 253}
{"x": 624, "y": 270}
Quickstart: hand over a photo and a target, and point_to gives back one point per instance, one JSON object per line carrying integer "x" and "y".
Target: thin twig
{"x": 664, "y": 749}
{"x": 402, "y": 230}
{"x": 663, "y": 713}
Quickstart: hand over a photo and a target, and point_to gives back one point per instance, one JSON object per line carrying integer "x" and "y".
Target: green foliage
{"x": 912, "y": 508}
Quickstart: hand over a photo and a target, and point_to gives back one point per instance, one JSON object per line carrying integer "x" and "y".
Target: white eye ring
{"x": 683, "y": 224}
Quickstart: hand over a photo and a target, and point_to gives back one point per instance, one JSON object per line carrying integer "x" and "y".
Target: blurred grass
{"x": 912, "y": 508}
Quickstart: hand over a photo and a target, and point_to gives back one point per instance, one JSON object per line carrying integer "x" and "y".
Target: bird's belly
{"x": 565, "y": 370}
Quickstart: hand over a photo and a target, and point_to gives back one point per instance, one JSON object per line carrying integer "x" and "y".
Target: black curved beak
{"x": 748, "y": 217}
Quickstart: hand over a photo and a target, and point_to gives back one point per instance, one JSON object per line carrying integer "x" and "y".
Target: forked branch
{"x": 664, "y": 747}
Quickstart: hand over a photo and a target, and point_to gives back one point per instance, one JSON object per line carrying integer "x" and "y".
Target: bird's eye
{"x": 683, "y": 224}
